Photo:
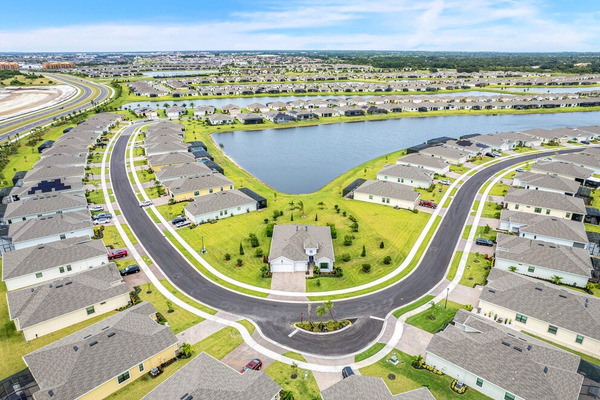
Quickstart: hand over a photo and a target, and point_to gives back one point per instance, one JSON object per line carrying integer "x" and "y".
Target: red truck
{"x": 428, "y": 204}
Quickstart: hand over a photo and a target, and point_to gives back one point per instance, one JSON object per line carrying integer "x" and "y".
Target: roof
{"x": 407, "y": 172}
{"x": 580, "y": 159}
{"x": 542, "y": 133}
{"x": 388, "y": 189}
{"x": 218, "y": 201}
{"x": 72, "y": 184}
{"x": 359, "y": 387}
{"x": 170, "y": 158}
{"x": 49, "y": 225}
{"x": 48, "y": 255}
{"x": 60, "y": 159}
{"x": 482, "y": 351}
{"x": 205, "y": 378}
{"x": 422, "y": 160}
{"x": 198, "y": 182}
{"x": 56, "y": 171}
{"x": 555, "y": 305}
{"x": 290, "y": 241}
{"x": 545, "y": 225}
{"x": 44, "y": 204}
{"x": 540, "y": 198}
{"x": 561, "y": 168}
{"x": 548, "y": 181}
{"x": 516, "y": 136}
{"x": 444, "y": 152}
{"x": 34, "y": 305}
{"x": 543, "y": 254}
{"x": 136, "y": 338}
{"x": 182, "y": 170}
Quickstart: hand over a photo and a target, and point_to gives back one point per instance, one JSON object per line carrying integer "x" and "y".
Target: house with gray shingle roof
{"x": 583, "y": 160}
{"x": 547, "y": 135}
{"x": 543, "y": 260}
{"x": 411, "y": 176}
{"x": 434, "y": 164}
{"x": 198, "y": 185}
{"x": 502, "y": 363}
{"x": 545, "y": 203}
{"x": 51, "y": 172}
{"x": 297, "y": 248}
{"x": 360, "y": 387}
{"x": 43, "y": 206}
{"x": 220, "y": 119}
{"x": 562, "y": 169}
{"x": 179, "y": 171}
{"x": 47, "y": 308}
{"x": 387, "y": 193}
{"x": 98, "y": 360}
{"x": 521, "y": 139}
{"x": 73, "y": 185}
{"x": 53, "y": 160}
{"x": 163, "y": 147}
{"x": 219, "y": 205}
{"x": 206, "y": 378}
{"x": 53, "y": 260}
{"x": 159, "y": 161}
{"x": 448, "y": 154}
{"x": 546, "y": 182}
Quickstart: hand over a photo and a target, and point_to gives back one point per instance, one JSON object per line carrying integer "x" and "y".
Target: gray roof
{"x": 183, "y": 170}
{"x": 170, "y": 158}
{"x": 220, "y": 117}
{"x": 57, "y": 171}
{"x": 70, "y": 373}
{"x": 543, "y": 133}
{"x": 164, "y": 125}
{"x": 198, "y": 182}
{"x": 65, "y": 148}
{"x": 205, "y": 378}
{"x": 218, "y": 201}
{"x": 43, "y": 204}
{"x": 580, "y": 159}
{"x": 48, "y": 255}
{"x": 561, "y": 168}
{"x": 406, "y": 172}
{"x": 72, "y": 184}
{"x": 539, "y": 198}
{"x": 489, "y": 140}
{"x": 388, "y": 189}
{"x": 548, "y": 181}
{"x": 516, "y": 136}
{"x": 553, "y": 304}
{"x": 545, "y": 225}
{"x": 60, "y": 159}
{"x": 444, "y": 152}
{"x": 595, "y": 129}
{"x": 165, "y": 147}
{"x": 50, "y": 225}
{"x": 290, "y": 241}
{"x": 482, "y": 352}
{"x": 543, "y": 254}
{"x": 422, "y": 160}
{"x": 359, "y": 387}
{"x": 34, "y": 305}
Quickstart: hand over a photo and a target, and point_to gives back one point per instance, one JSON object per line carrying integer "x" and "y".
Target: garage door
{"x": 282, "y": 267}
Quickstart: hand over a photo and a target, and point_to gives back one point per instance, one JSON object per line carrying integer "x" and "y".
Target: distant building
{"x": 9, "y": 65}
{"x": 58, "y": 65}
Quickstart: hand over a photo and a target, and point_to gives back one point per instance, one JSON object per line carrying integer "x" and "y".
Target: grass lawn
{"x": 144, "y": 176}
{"x": 435, "y": 195}
{"x": 481, "y": 233}
{"x": 403, "y": 310}
{"x": 304, "y": 386}
{"x": 466, "y": 231}
{"x": 436, "y": 317}
{"x": 97, "y": 196}
{"x": 476, "y": 270}
{"x": 408, "y": 378}
{"x": 23, "y": 80}
{"x": 522, "y": 149}
{"x": 454, "y": 265}
{"x": 369, "y": 352}
{"x": 499, "y": 189}
{"x": 490, "y": 209}
{"x": 482, "y": 159}
{"x": 459, "y": 169}
{"x": 113, "y": 238}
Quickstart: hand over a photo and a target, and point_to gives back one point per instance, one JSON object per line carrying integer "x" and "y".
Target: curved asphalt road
{"x": 275, "y": 318}
{"x": 46, "y": 117}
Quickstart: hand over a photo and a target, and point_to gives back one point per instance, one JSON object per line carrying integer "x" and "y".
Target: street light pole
{"x": 203, "y": 248}
{"x": 447, "y": 291}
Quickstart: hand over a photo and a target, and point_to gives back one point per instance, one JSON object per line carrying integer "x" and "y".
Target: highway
{"x": 275, "y": 319}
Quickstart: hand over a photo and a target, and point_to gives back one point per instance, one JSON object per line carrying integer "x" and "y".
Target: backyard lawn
{"x": 304, "y": 386}
{"x": 436, "y": 317}
{"x": 476, "y": 270}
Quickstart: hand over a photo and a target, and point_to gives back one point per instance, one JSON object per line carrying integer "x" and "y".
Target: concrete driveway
{"x": 240, "y": 356}
{"x": 414, "y": 341}
{"x": 289, "y": 281}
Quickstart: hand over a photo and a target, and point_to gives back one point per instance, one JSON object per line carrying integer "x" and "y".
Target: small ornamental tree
{"x": 241, "y": 249}
{"x": 364, "y": 252}
{"x": 366, "y": 268}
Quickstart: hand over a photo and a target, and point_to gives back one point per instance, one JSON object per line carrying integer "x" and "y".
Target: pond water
{"x": 544, "y": 90}
{"x": 304, "y": 159}
{"x": 155, "y": 74}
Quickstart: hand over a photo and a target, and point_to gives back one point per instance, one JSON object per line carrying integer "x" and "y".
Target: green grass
{"x": 248, "y": 325}
{"x": 435, "y": 195}
{"x": 303, "y": 389}
{"x": 454, "y": 266}
{"x": 435, "y": 318}
{"x": 490, "y": 209}
{"x": 144, "y": 176}
{"x": 24, "y": 81}
{"x": 140, "y": 162}
{"x": 369, "y": 352}
{"x": 459, "y": 169}
{"x": 97, "y": 196}
{"x": 294, "y": 356}
{"x": 466, "y": 231}
{"x": 481, "y": 160}
{"x": 583, "y": 356}
{"x": 113, "y": 238}
{"x": 403, "y": 310}
{"x": 475, "y": 272}
{"x": 499, "y": 189}
{"x": 490, "y": 235}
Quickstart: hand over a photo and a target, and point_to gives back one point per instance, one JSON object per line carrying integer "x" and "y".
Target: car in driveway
{"x": 177, "y": 220}
{"x": 520, "y": 170}
{"x": 117, "y": 254}
{"x": 101, "y": 216}
{"x": 130, "y": 269}
{"x": 254, "y": 364}
{"x": 96, "y": 208}
{"x": 444, "y": 182}
{"x": 346, "y": 372}
{"x": 101, "y": 221}
{"x": 182, "y": 224}
{"x": 146, "y": 203}
{"x": 484, "y": 242}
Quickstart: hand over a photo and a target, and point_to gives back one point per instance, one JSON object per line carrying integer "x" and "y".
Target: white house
{"x": 584, "y": 160}
{"x": 545, "y": 203}
{"x": 219, "y": 205}
{"x": 43, "y": 206}
{"x": 448, "y": 154}
{"x": 437, "y": 165}
{"x": 546, "y": 182}
{"x": 387, "y": 193}
{"x": 411, "y": 176}
{"x": 297, "y": 248}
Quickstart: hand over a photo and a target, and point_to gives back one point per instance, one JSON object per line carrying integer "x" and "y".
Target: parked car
{"x": 146, "y": 203}
{"x": 177, "y": 220}
{"x": 137, "y": 146}
{"x": 101, "y": 221}
{"x": 182, "y": 224}
{"x": 346, "y": 372}
{"x": 490, "y": 154}
{"x": 484, "y": 242}
{"x": 585, "y": 142}
{"x": 102, "y": 215}
{"x": 496, "y": 154}
{"x": 520, "y": 170}
{"x": 444, "y": 182}
{"x": 117, "y": 254}
{"x": 255, "y": 364}
{"x": 428, "y": 204}
{"x": 105, "y": 139}
{"x": 130, "y": 269}
{"x": 96, "y": 208}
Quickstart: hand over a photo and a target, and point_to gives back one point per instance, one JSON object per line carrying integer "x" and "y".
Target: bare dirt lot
{"x": 19, "y": 100}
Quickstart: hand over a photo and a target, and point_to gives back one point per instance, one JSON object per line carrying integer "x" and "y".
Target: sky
{"x": 427, "y": 25}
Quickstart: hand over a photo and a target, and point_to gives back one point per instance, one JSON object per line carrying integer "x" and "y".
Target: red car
{"x": 428, "y": 203}
{"x": 117, "y": 254}
{"x": 255, "y": 364}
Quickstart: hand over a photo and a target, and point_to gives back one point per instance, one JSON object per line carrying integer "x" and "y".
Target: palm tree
{"x": 186, "y": 350}
{"x": 557, "y": 280}
{"x": 329, "y": 306}
{"x": 286, "y": 395}
{"x": 321, "y": 312}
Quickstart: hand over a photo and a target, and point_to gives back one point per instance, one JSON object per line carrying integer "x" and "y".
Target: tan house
{"x": 102, "y": 358}
{"x": 159, "y": 161}
{"x": 545, "y": 203}
{"x": 387, "y": 193}
{"x": 186, "y": 188}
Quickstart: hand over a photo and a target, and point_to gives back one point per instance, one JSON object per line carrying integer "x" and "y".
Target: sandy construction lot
{"x": 15, "y": 101}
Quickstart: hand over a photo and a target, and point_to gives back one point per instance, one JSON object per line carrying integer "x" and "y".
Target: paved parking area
{"x": 240, "y": 356}
{"x": 465, "y": 295}
{"x": 289, "y": 281}
{"x": 414, "y": 340}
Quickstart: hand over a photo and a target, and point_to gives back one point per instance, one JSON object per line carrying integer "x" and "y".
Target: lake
{"x": 304, "y": 159}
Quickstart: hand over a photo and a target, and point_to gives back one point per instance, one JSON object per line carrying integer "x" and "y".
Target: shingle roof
{"x": 205, "y": 378}
{"x": 481, "y": 351}
{"x": 164, "y": 147}
{"x": 50, "y": 225}
{"x": 198, "y": 182}
{"x": 542, "y": 133}
{"x": 561, "y": 168}
{"x": 290, "y": 241}
{"x": 553, "y": 304}
{"x": 218, "y": 201}
{"x": 72, "y": 184}
{"x": 444, "y": 152}
{"x": 544, "y": 225}
{"x": 580, "y": 159}
{"x": 170, "y": 158}
{"x": 41, "y": 303}
{"x": 548, "y": 181}
{"x": 388, "y": 189}
{"x": 70, "y": 373}
{"x": 60, "y": 159}
{"x": 43, "y": 204}
{"x": 182, "y": 170}
{"x": 359, "y": 387}
{"x": 538, "y": 198}
{"x": 547, "y": 255}
{"x": 406, "y": 172}
{"x": 422, "y": 160}
{"x": 56, "y": 171}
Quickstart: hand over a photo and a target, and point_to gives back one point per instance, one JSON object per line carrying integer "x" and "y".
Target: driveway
{"x": 289, "y": 281}
{"x": 240, "y": 356}
{"x": 414, "y": 341}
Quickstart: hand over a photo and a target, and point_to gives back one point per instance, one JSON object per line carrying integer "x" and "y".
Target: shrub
{"x": 254, "y": 240}
{"x": 352, "y": 218}
{"x": 241, "y": 249}
{"x": 269, "y": 230}
{"x": 264, "y": 271}
{"x": 364, "y": 252}
{"x": 337, "y": 271}
{"x": 318, "y": 283}
{"x": 227, "y": 256}
{"x": 345, "y": 257}
{"x": 487, "y": 229}
{"x": 316, "y": 270}
{"x": 333, "y": 231}
{"x": 347, "y": 240}
{"x": 354, "y": 227}
{"x": 366, "y": 268}
{"x": 258, "y": 253}
{"x": 387, "y": 260}
{"x": 343, "y": 213}
{"x": 240, "y": 262}
{"x": 381, "y": 245}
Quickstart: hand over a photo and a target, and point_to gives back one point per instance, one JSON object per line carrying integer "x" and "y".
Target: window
{"x": 508, "y": 396}
{"x": 579, "y": 339}
{"x": 59, "y": 212}
{"x": 516, "y": 206}
{"x": 69, "y": 267}
{"x": 521, "y": 318}
{"x": 383, "y": 199}
{"x": 239, "y": 208}
{"x": 62, "y": 237}
{"x": 141, "y": 367}
{"x": 230, "y": 186}
{"x": 210, "y": 190}
{"x": 62, "y": 270}
{"x": 552, "y": 329}
{"x": 531, "y": 269}
{"x": 221, "y": 213}
{"x": 385, "y": 177}
{"x": 225, "y": 212}
{"x": 103, "y": 303}
{"x": 370, "y": 197}
{"x": 479, "y": 382}
{"x": 221, "y": 188}
{"x": 537, "y": 210}
{"x": 38, "y": 275}
{"x": 548, "y": 211}
{"x": 387, "y": 200}
{"x": 90, "y": 310}
{"x": 568, "y": 215}
{"x": 123, "y": 377}
{"x": 197, "y": 193}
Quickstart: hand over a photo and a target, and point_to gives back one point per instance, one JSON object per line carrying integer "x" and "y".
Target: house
{"x": 258, "y": 108}
{"x": 546, "y": 183}
{"x": 73, "y": 185}
{"x": 546, "y": 135}
{"x": 203, "y": 111}
{"x": 566, "y": 317}
{"x": 49, "y": 229}
{"x": 323, "y": 112}
{"x": 434, "y": 164}
{"x": 387, "y": 193}
{"x": 448, "y": 154}
{"x": 208, "y": 378}
{"x": 73, "y": 160}
{"x": 231, "y": 109}
{"x": 495, "y": 142}
{"x": 300, "y": 115}
{"x": 104, "y": 357}
{"x": 501, "y": 363}
{"x": 53, "y": 172}
{"x": 521, "y": 139}
{"x": 158, "y": 161}
{"x": 583, "y": 160}
{"x": 278, "y": 117}
{"x": 43, "y": 206}
{"x": 564, "y": 170}
{"x": 164, "y": 147}
{"x": 469, "y": 146}
{"x": 198, "y": 185}
{"x": 220, "y": 119}
{"x": 543, "y": 260}
{"x": 298, "y": 248}
{"x": 249, "y": 118}
{"x": 43, "y": 309}
{"x": 360, "y": 387}
{"x": 411, "y": 176}
{"x": 547, "y": 203}
{"x": 561, "y": 231}
{"x": 219, "y": 205}
{"x": 346, "y": 111}
{"x": 184, "y": 170}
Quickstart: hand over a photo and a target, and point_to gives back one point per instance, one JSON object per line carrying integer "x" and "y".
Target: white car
{"x": 146, "y": 203}
{"x": 101, "y": 221}
{"x": 182, "y": 224}
{"x": 444, "y": 182}
{"x": 97, "y": 208}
